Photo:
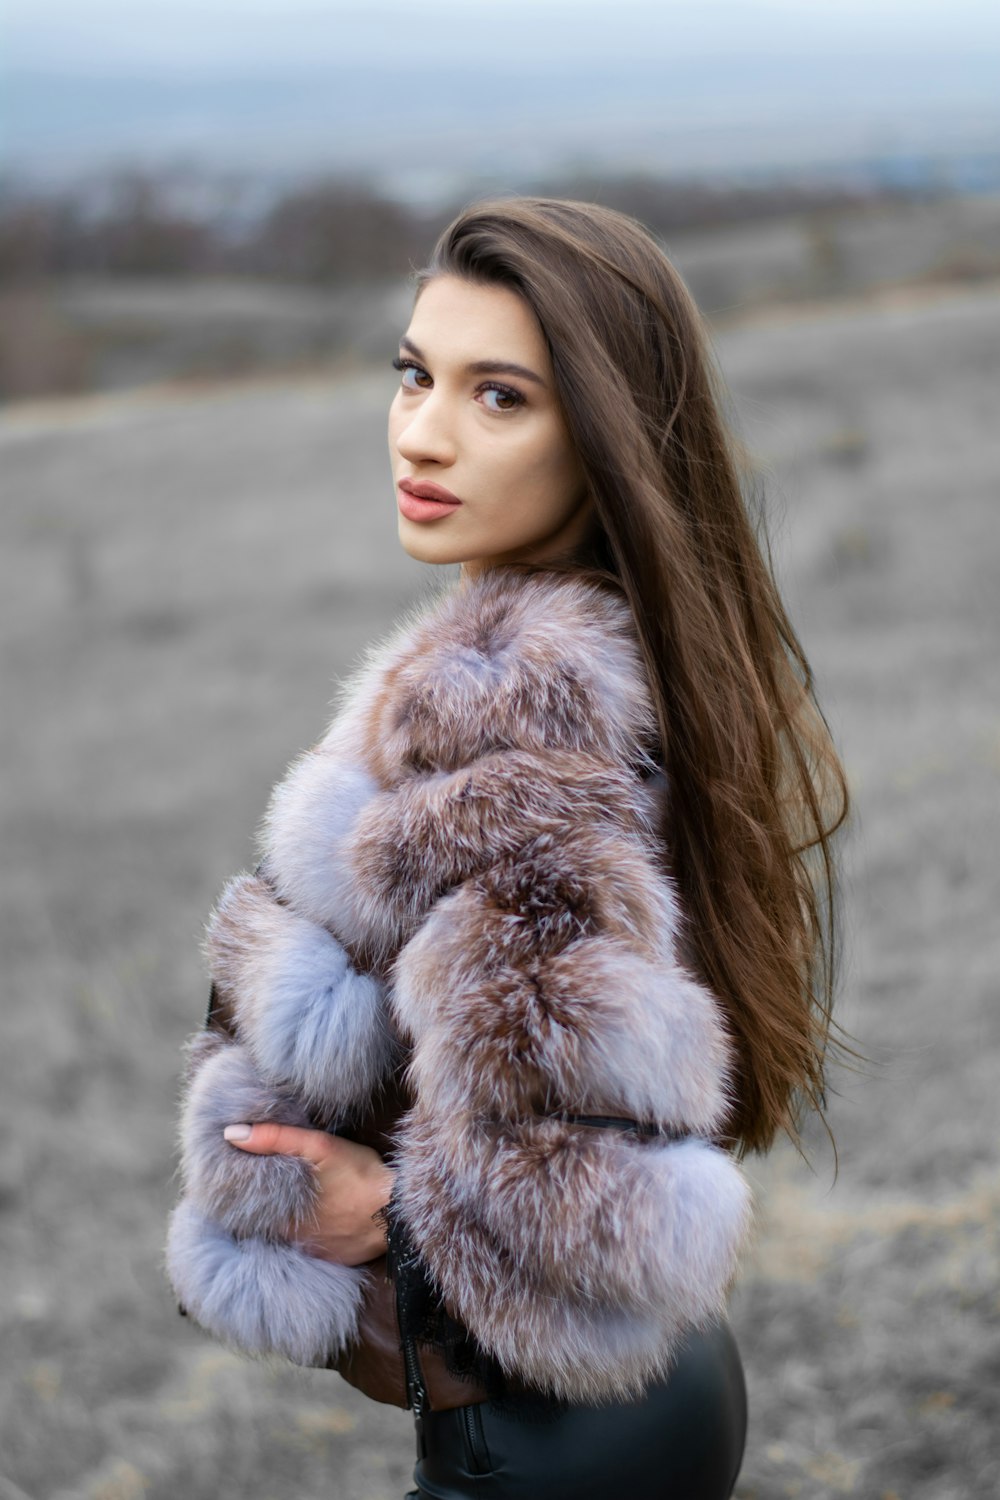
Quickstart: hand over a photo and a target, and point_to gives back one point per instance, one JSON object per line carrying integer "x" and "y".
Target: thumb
{"x": 272, "y": 1139}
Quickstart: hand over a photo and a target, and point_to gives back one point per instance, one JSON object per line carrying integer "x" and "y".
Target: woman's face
{"x": 476, "y": 415}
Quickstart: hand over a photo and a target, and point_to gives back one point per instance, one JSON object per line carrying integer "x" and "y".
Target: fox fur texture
{"x": 465, "y": 874}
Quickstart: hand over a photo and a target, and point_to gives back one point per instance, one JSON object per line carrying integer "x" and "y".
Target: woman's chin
{"x": 420, "y": 543}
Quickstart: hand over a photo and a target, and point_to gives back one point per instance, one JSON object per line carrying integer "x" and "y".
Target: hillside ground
{"x": 183, "y": 575}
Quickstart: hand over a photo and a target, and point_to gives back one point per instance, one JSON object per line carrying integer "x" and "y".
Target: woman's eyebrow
{"x": 481, "y": 366}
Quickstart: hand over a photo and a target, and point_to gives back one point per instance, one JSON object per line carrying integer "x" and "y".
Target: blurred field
{"x": 76, "y": 316}
{"x": 182, "y": 576}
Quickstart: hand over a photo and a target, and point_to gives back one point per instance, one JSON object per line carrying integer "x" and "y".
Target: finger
{"x": 272, "y": 1139}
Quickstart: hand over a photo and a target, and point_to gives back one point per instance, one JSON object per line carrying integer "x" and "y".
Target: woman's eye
{"x": 506, "y": 398}
{"x": 496, "y": 398}
{"x": 406, "y": 366}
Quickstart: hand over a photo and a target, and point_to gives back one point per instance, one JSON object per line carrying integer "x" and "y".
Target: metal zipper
{"x": 400, "y": 1260}
{"x": 478, "y": 1452}
{"x": 415, "y": 1389}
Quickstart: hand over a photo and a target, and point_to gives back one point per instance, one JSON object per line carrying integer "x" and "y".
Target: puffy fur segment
{"x": 306, "y": 839}
{"x": 414, "y": 844}
{"x": 579, "y": 1257}
{"x": 550, "y": 982}
{"x": 534, "y": 900}
{"x": 573, "y": 1349}
{"x": 506, "y": 661}
{"x": 198, "y": 1048}
{"x": 595, "y": 1028}
{"x": 248, "y": 1194}
{"x": 309, "y": 1019}
{"x": 258, "y": 1297}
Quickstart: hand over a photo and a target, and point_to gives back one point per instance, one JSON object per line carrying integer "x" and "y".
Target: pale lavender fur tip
{"x": 258, "y": 1297}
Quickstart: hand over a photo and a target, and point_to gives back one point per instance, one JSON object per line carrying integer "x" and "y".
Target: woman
{"x": 540, "y": 940}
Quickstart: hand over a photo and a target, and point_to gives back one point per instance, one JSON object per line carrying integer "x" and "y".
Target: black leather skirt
{"x": 683, "y": 1440}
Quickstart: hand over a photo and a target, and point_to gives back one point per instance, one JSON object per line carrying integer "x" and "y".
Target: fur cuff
{"x": 262, "y": 1298}
{"x": 578, "y": 1257}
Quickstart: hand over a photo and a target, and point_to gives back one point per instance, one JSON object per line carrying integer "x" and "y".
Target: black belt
{"x": 614, "y": 1122}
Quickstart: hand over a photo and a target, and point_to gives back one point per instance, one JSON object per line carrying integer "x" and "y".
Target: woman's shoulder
{"x": 528, "y": 660}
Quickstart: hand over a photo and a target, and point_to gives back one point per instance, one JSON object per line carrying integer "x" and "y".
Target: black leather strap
{"x": 610, "y": 1122}
{"x": 214, "y": 1008}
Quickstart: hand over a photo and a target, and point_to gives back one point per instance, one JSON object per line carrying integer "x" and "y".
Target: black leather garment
{"x": 683, "y": 1440}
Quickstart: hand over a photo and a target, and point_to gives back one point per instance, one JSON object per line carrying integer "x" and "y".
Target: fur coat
{"x": 465, "y": 874}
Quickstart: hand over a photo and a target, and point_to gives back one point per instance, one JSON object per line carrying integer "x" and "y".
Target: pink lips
{"x": 425, "y": 502}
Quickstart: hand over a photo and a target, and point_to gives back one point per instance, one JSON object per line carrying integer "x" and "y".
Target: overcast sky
{"x": 413, "y": 86}
{"x": 238, "y": 35}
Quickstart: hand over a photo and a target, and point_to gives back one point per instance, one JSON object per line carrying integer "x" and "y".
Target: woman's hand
{"x": 353, "y": 1182}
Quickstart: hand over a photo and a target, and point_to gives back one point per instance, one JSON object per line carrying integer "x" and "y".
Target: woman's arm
{"x": 268, "y": 1247}
{"x": 577, "y": 1256}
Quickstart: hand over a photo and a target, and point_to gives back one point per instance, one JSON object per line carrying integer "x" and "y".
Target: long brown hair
{"x": 757, "y": 790}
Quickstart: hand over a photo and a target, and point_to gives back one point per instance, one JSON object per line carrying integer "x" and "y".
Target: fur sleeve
{"x": 577, "y": 1256}
{"x": 308, "y": 1042}
{"x": 228, "y": 1255}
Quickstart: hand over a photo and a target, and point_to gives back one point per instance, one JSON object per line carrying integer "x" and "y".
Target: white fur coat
{"x": 464, "y": 874}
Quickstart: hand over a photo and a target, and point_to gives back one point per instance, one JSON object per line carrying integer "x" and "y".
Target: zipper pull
{"x": 416, "y": 1390}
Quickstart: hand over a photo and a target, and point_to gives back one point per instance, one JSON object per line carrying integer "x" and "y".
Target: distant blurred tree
{"x": 338, "y": 231}
{"x": 141, "y": 234}
{"x": 34, "y": 236}
{"x": 829, "y": 272}
{"x": 186, "y": 222}
{"x": 127, "y": 228}
{"x": 665, "y": 203}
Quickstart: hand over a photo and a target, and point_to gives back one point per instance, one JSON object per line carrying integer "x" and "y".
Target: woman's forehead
{"x": 465, "y": 322}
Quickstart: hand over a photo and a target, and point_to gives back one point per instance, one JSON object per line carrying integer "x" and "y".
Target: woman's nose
{"x": 425, "y": 434}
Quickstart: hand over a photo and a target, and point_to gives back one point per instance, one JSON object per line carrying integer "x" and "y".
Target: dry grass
{"x": 181, "y": 578}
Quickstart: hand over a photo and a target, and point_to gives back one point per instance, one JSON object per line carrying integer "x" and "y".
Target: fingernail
{"x": 237, "y": 1132}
